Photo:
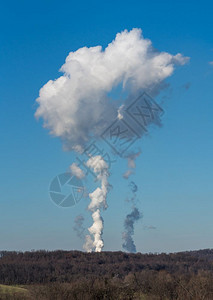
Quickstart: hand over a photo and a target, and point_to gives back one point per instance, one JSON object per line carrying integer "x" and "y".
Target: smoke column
{"x": 78, "y": 226}
{"x": 135, "y": 214}
{"x": 129, "y": 222}
{"x": 76, "y": 107}
{"x": 98, "y": 201}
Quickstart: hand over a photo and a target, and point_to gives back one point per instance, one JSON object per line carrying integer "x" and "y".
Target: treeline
{"x": 41, "y": 267}
{"x": 64, "y": 275}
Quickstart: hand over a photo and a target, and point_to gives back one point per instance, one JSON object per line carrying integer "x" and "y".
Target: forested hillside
{"x": 110, "y": 275}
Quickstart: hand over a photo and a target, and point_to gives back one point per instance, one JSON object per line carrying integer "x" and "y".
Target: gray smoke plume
{"x": 133, "y": 187}
{"x": 129, "y": 222}
{"x": 78, "y": 226}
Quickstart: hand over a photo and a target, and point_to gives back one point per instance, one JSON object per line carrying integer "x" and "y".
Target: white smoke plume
{"x": 96, "y": 230}
{"x": 79, "y": 227}
{"x": 98, "y": 201}
{"x": 76, "y": 171}
{"x": 76, "y": 106}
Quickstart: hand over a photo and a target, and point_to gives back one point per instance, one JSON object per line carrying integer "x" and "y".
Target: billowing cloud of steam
{"x": 76, "y": 106}
{"x": 129, "y": 222}
{"x": 98, "y": 202}
{"x": 79, "y": 227}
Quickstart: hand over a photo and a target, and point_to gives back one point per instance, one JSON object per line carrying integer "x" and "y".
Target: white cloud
{"x": 76, "y": 106}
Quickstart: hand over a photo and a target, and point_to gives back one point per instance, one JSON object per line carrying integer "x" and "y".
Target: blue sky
{"x": 174, "y": 173}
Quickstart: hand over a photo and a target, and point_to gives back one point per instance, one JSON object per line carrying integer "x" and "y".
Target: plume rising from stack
{"x": 77, "y": 106}
{"x": 98, "y": 202}
{"x": 129, "y": 222}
